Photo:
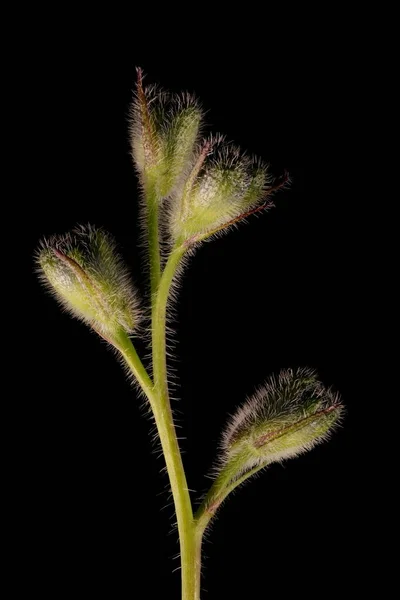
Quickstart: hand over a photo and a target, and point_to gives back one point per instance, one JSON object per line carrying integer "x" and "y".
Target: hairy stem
{"x": 191, "y": 529}
{"x": 160, "y": 288}
{"x": 190, "y": 554}
{"x": 220, "y": 489}
{"x": 123, "y": 343}
{"x": 159, "y": 316}
{"x": 153, "y": 238}
{"x": 198, "y": 540}
{"x": 173, "y": 459}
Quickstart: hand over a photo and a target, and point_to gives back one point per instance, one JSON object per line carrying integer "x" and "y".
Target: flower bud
{"x": 287, "y": 416}
{"x": 164, "y": 130}
{"x": 217, "y": 193}
{"x": 88, "y": 278}
{"x": 179, "y": 142}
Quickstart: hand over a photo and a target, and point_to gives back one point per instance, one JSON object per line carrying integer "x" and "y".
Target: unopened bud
{"x": 179, "y": 141}
{"x": 219, "y": 192}
{"x": 88, "y": 278}
{"x": 287, "y": 416}
{"x": 164, "y": 130}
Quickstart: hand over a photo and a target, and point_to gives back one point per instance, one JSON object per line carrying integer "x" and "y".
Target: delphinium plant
{"x": 193, "y": 188}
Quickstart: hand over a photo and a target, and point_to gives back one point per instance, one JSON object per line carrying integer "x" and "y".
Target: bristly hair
{"x": 277, "y": 397}
{"x": 224, "y": 187}
{"x": 93, "y": 252}
{"x": 284, "y": 402}
{"x": 143, "y": 120}
{"x": 164, "y": 129}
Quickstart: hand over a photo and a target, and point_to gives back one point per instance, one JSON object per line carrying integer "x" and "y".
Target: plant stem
{"x": 169, "y": 442}
{"x": 219, "y": 490}
{"x": 190, "y": 549}
{"x": 153, "y": 238}
{"x": 198, "y": 540}
{"x": 190, "y": 529}
{"x": 159, "y": 315}
{"x": 160, "y": 287}
{"x": 124, "y": 344}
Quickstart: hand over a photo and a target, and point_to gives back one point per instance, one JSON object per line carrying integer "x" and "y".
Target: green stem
{"x": 153, "y": 238}
{"x": 160, "y": 287}
{"x": 190, "y": 550}
{"x": 159, "y": 316}
{"x": 165, "y": 423}
{"x": 198, "y": 540}
{"x": 190, "y": 529}
{"x": 220, "y": 489}
{"x": 124, "y": 344}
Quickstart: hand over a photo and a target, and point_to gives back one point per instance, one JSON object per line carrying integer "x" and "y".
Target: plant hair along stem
{"x": 166, "y": 429}
{"x": 153, "y": 238}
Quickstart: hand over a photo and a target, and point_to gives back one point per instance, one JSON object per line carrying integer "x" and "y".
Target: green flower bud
{"x": 217, "y": 194}
{"x": 179, "y": 143}
{"x": 164, "y": 131}
{"x": 86, "y": 275}
{"x": 287, "y": 416}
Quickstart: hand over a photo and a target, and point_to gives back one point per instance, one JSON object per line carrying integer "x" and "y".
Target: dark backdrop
{"x": 280, "y": 291}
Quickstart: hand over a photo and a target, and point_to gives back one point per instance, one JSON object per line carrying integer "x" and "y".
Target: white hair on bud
{"x": 94, "y": 251}
{"x": 164, "y": 129}
{"x": 224, "y": 185}
{"x": 156, "y": 99}
{"x": 282, "y": 402}
{"x": 278, "y": 396}
{"x": 180, "y": 135}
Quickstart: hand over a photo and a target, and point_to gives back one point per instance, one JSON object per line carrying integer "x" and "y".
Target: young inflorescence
{"x": 193, "y": 188}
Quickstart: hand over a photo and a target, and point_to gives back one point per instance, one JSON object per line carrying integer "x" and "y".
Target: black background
{"x": 280, "y": 291}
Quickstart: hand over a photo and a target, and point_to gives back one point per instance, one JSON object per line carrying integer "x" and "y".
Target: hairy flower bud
{"x": 164, "y": 131}
{"x": 217, "y": 193}
{"x": 287, "y": 416}
{"x": 88, "y": 278}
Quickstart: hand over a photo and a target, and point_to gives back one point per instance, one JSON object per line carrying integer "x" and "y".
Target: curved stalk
{"x": 123, "y": 343}
{"x": 165, "y": 424}
{"x": 220, "y": 489}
